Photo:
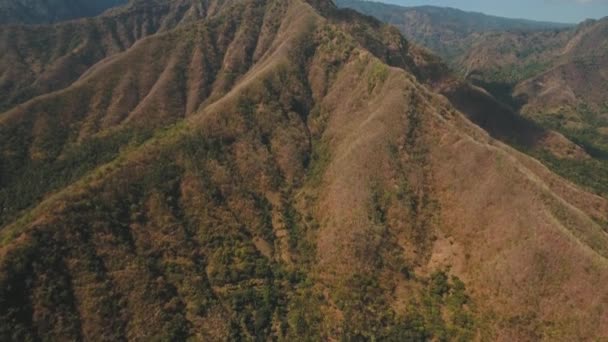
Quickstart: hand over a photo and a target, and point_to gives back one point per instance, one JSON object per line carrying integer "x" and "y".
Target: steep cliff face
{"x": 279, "y": 169}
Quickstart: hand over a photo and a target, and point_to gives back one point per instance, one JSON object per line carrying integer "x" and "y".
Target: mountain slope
{"x": 545, "y": 76}
{"x": 39, "y": 60}
{"x": 297, "y": 180}
{"x": 46, "y": 12}
{"x": 558, "y": 80}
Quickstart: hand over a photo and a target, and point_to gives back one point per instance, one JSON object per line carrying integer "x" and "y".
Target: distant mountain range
{"x": 51, "y": 11}
{"x": 446, "y": 31}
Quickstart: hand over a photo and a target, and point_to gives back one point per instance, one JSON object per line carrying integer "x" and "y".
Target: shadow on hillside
{"x": 495, "y": 117}
{"x": 502, "y": 92}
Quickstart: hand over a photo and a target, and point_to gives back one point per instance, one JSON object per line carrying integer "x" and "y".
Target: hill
{"x": 51, "y": 11}
{"x": 273, "y": 169}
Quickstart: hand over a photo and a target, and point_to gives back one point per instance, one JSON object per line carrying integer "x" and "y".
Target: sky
{"x": 566, "y": 11}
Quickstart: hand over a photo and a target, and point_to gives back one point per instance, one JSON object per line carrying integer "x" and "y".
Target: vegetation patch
{"x": 440, "y": 310}
{"x": 33, "y": 179}
{"x": 589, "y": 173}
{"x": 319, "y": 161}
{"x": 377, "y": 75}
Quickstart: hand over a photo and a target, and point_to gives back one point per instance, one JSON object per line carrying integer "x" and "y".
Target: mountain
{"x": 446, "y": 31}
{"x": 282, "y": 170}
{"x": 51, "y": 11}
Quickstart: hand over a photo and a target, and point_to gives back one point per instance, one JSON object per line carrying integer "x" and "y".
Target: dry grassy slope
{"x": 506, "y": 224}
{"x": 494, "y": 53}
{"x": 558, "y": 80}
{"x": 569, "y": 86}
{"x": 555, "y": 61}
{"x": 313, "y": 189}
{"x": 511, "y": 224}
{"x": 126, "y": 266}
{"x": 500, "y": 120}
{"x": 37, "y": 60}
{"x": 156, "y": 83}
{"x": 571, "y": 95}
{"x": 579, "y": 77}
{"x": 516, "y": 56}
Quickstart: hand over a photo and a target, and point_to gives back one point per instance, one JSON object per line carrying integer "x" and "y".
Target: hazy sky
{"x": 570, "y": 11}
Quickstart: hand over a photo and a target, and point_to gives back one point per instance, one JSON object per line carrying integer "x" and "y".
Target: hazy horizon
{"x": 564, "y": 11}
